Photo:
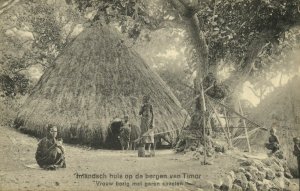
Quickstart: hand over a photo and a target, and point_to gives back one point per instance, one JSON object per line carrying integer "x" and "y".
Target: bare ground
{"x": 18, "y": 170}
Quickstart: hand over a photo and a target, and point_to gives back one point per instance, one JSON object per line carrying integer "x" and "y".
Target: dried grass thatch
{"x": 96, "y": 79}
{"x": 283, "y": 108}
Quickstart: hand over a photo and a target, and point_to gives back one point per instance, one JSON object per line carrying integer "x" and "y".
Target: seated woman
{"x": 50, "y": 152}
{"x": 273, "y": 143}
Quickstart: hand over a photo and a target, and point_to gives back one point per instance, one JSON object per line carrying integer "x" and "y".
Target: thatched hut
{"x": 93, "y": 81}
{"x": 283, "y": 108}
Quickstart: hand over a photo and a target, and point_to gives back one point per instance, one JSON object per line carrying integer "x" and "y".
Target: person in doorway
{"x": 147, "y": 130}
{"x": 50, "y": 153}
{"x": 273, "y": 143}
{"x": 125, "y": 132}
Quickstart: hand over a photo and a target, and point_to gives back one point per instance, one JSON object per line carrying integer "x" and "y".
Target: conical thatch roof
{"x": 283, "y": 108}
{"x": 96, "y": 79}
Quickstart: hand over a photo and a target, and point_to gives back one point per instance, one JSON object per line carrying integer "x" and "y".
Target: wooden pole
{"x": 204, "y": 123}
{"x": 185, "y": 120}
{"x": 215, "y": 111}
{"x": 228, "y": 131}
{"x": 238, "y": 114}
{"x": 246, "y": 131}
{"x": 209, "y": 124}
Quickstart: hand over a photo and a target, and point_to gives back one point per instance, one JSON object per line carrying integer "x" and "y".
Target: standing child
{"x": 125, "y": 132}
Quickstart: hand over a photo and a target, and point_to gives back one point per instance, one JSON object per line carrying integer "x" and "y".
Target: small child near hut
{"x": 125, "y": 132}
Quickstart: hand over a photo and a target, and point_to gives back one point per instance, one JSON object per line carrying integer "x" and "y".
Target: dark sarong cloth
{"x": 49, "y": 155}
{"x": 273, "y": 144}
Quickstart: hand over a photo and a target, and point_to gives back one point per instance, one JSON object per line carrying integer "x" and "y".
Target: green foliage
{"x": 231, "y": 27}
{"x": 283, "y": 60}
{"x": 42, "y": 22}
{"x": 32, "y": 33}
{"x": 131, "y": 15}
{"x": 283, "y": 57}
{"x": 8, "y": 108}
{"x": 128, "y": 13}
{"x": 12, "y": 81}
{"x": 13, "y": 85}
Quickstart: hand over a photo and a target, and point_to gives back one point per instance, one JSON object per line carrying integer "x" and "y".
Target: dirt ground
{"x": 18, "y": 170}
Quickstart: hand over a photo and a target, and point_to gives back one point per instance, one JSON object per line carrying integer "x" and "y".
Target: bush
{"x": 9, "y": 108}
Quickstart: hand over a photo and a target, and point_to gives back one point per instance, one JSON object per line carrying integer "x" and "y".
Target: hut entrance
{"x": 113, "y": 141}
{"x": 161, "y": 142}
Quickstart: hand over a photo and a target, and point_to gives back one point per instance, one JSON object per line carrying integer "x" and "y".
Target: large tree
{"x": 238, "y": 32}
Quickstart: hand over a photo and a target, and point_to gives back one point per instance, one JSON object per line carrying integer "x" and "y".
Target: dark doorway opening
{"x": 113, "y": 140}
{"x": 161, "y": 143}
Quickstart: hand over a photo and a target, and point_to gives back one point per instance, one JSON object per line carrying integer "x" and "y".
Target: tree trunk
{"x": 200, "y": 116}
{"x": 196, "y": 125}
